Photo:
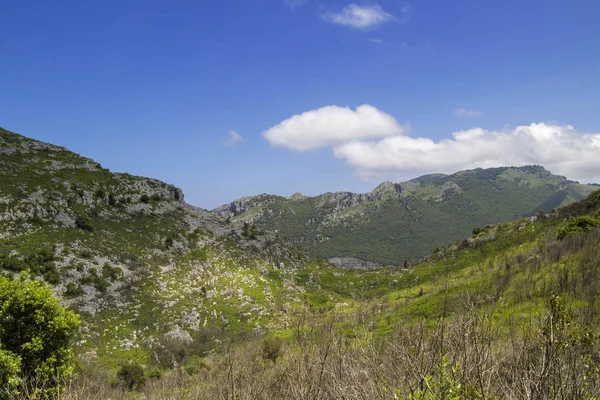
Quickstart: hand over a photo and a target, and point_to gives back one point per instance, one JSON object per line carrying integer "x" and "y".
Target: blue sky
{"x": 153, "y": 88}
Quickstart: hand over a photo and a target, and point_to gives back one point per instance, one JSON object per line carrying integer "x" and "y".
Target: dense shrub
{"x": 577, "y": 225}
{"x": 83, "y": 222}
{"x": 131, "y": 375}
{"x": 272, "y": 348}
{"x": 73, "y": 290}
{"x": 35, "y": 336}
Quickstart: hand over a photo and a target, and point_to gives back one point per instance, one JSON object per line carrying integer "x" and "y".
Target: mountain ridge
{"x": 463, "y": 200}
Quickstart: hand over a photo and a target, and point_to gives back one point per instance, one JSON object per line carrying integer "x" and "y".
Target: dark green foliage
{"x": 477, "y": 231}
{"x": 84, "y": 222}
{"x": 111, "y": 273}
{"x": 594, "y": 199}
{"x": 52, "y": 276}
{"x": 40, "y": 262}
{"x": 73, "y": 290}
{"x": 578, "y": 225}
{"x": 145, "y": 199}
{"x": 250, "y": 231}
{"x": 35, "y": 336}
{"x": 85, "y": 253}
{"x": 100, "y": 283}
{"x": 131, "y": 375}
{"x": 272, "y": 348}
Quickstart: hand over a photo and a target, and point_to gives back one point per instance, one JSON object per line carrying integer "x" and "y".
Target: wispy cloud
{"x": 293, "y": 4}
{"x": 376, "y": 41}
{"x": 464, "y": 112}
{"x": 234, "y": 138}
{"x": 361, "y": 16}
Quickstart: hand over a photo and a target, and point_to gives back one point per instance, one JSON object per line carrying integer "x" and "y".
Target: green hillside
{"x": 406, "y": 221}
{"x": 136, "y": 261}
{"x": 180, "y": 303}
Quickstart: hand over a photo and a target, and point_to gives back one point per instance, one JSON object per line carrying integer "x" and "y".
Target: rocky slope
{"x": 150, "y": 274}
{"x": 399, "y": 222}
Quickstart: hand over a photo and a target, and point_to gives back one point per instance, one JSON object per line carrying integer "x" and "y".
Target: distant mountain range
{"x": 398, "y": 222}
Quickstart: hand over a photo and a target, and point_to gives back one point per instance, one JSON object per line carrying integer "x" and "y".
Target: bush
{"x": 131, "y": 375}
{"x": 477, "y": 231}
{"x": 272, "y": 348}
{"x": 73, "y": 290}
{"x": 577, "y": 225}
{"x": 35, "y": 336}
{"x": 145, "y": 199}
{"x": 83, "y": 222}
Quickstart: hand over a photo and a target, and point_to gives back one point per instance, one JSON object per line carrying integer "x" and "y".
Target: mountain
{"x": 140, "y": 265}
{"x": 397, "y": 222}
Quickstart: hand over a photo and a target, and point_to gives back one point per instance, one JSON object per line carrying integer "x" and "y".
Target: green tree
{"x": 35, "y": 338}
{"x": 132, "y": 375}
{"x": 272, "y": 348}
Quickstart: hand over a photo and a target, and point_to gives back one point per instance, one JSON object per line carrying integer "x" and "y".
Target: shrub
{"x": 594, "y": 198}
{"x": 73, "y": 290}
{"x": 131, "y": 375}
{"x": 111, "y": 273}
{"x": 272, "y": 348}
{"x": 35, "y": 335}
{"x": 577, "y": 225}
{"x": 145, "y": 199}
{"x": 93, "y": 279}
{"x": 85, "y": 253}
{"x": 83, "y": 222}
{"x": 477, "y": 231}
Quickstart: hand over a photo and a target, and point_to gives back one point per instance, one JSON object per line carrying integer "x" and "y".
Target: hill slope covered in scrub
{"x": 139, "y": 264}
{"x": 406, "y": 221}
{"x": 210, "y": 309}
{"x": 509, "y": 313}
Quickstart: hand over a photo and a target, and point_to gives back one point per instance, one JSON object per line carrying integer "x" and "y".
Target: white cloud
{"x": 463, "y": 112}
{"x": 362, "y": 17}
{"x": 293, "y": 4}
{"x": 332, "y": 125}
{"x": 234, "y": 138}
{"x": 561, "y": 149}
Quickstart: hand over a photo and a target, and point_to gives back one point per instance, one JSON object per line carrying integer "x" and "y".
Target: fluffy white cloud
{"x": 234, "y": 138}
{"x": 332, "y": 125}
{"x": 361, "y": 16}
{"x": 561, "y": 149}
{"x": 463, "y": 112}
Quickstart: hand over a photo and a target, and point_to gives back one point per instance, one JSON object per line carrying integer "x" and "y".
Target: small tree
{"x": 131, "y": 375}
{"x": 35, "y": 337}
{"x": 272, "y": 348}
